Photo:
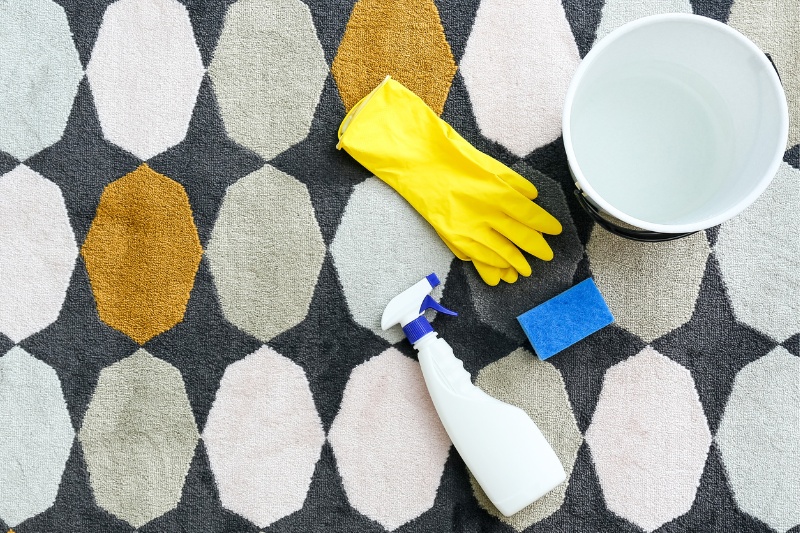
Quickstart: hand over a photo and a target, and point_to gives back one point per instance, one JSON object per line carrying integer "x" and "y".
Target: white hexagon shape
{"x": 268, "y": 72}
{"x": 651, "y": 288}
{"x": 138, "y": 438}
{"x": 517, "y": 91}
{"x": 618, "y": 12}
{"x": 649, "y": 439}
{"x": 757, "y": 438}
{"x": 388, "y": 441}
{"x": 37, "y": 252}
{"x": 263, "y": 437}
{"x": 265, "y": 253}
{"x": 145, "y": 72}
{"x": 39, "y": 75}
{"x": 758, "y": 252}
{"x": 381, "y": 248}
{"x": 35, "y": 436}
{"x": 537, "y": 388}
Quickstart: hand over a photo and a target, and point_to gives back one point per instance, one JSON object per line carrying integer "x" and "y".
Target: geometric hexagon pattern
{"x": 619, "y": 12}
{"x": 773, "y": 27}
{"x": 39, "y": 52}
{"x": 382, "y": 247}
{"x": 138, "y": 437}
{"x": 268, "y": 60}
{"x": 517, "y": 93}
{"x": 265, "y": 253}
{"x": 762, "y": 282}
{"x": 142, "y": 253}
{"x": 37, "y": 252}
{"x": 651, "y": 289}
{"x": 537, "y": 388}
{"x": 263, "y": 437}
{"x": 649, "y": 414}
{"x": 35, "y": 436}
{"x": 758, "y": 439}
{"x": 402, "y": 39}
{"x": 234, "y": 267}
{"x": 389, "y": 443}
{"x": 145, "y": 72}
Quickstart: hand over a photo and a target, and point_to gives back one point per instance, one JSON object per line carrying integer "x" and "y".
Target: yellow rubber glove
{"x": 479, "y": 207}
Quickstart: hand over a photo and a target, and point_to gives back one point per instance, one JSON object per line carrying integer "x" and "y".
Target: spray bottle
{"x": 500, "y": 444}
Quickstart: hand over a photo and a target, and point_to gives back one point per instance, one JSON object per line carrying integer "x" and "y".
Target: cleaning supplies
{"x": 479, "y": 207}
{"x": 565, "y": 319}
{"x": 500, "y": 444}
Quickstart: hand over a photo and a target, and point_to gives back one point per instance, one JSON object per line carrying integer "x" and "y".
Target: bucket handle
{"x": 632, "y": 234}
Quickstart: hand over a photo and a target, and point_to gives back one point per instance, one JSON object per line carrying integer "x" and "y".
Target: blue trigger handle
{"x": 430, "y": 303}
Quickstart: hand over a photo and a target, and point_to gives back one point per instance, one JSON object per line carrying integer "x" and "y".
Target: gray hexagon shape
{"x": 651, "y": 288}
{"x": 537, "y": 388}
{"x": 265, "y": 253}
{"x": 499, "y": 306}
{"x": 268, "y": 72}
{"x": 381, "y": 248}
{"x": 757, "y": 439}
{"x": 138, "y": 438}
{"x": 37, "y": 51}
{"x": 758, "y": 251}
{"x": 35, "y": 436}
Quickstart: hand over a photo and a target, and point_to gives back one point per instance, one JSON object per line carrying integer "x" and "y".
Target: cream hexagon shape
{"x": 757, "y": 438}
{"x": 265, "y": 253}
{"x": 381, "y": 248}
{"x": 35, "y": 436}
{"x": 138, "y": 438}
{"x": 649, "y": 439}
{"x": 38, "y": 52}
{"x": 37, "y": 252}
{"x": 145, "y": 73}
{"x": 757, "y": 253}
{"x": 773, "y": 26}
{"x": 517, "y": 65}
{"x": 389, "y": 443}
{"x": 268, "y": 72}
{"x": 263, "y": 437}
{"x": 651, "y": 288}
{"x": 615, "y": 13}
{"x": 536, "y": 387}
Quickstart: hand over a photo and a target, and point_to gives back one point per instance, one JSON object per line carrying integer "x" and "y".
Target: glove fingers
{"x": 526, "y": 238}
{"x": 484, "y": 254}
{"x": 489, "y": 274}
{"x": 519, "y": 183}
{"x": 505, "y": 249}
{"x": 533, "y": 216}
{"x": 509, "y": 275}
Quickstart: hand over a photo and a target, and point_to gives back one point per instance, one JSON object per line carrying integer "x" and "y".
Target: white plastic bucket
{"x": 674, "y": 123}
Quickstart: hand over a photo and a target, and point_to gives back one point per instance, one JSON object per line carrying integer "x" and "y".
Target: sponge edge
{"x": 565, "y": 319}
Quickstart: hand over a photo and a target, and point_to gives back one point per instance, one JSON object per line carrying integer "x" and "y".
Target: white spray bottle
{"x": 500, "y": 444}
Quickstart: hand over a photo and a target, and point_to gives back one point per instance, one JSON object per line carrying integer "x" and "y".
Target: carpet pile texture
{"x": 192, "y": 278}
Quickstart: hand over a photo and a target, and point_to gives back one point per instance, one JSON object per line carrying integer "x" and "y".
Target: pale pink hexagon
{"x": 649, "y": 439}
{"x": 389, "y": 444}
{"x": 263, "y": 437}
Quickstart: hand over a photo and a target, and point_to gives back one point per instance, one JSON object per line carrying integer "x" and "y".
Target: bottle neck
{"x": 425, "y": 340}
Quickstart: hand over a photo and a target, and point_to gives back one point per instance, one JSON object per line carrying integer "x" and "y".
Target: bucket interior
{"x": 676, "y": 122}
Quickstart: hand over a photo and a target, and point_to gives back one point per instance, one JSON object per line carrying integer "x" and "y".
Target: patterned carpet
{"x": 191, "y": 280}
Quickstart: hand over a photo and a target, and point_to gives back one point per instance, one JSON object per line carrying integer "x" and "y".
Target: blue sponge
{"x": 565, "y": 319}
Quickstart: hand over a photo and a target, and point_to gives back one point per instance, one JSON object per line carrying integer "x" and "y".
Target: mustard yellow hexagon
{"x": 142, "y": 254}
{"x": 401, "y": 38}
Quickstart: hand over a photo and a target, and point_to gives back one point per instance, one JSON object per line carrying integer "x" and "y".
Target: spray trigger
{"x": 429, "y": 303}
